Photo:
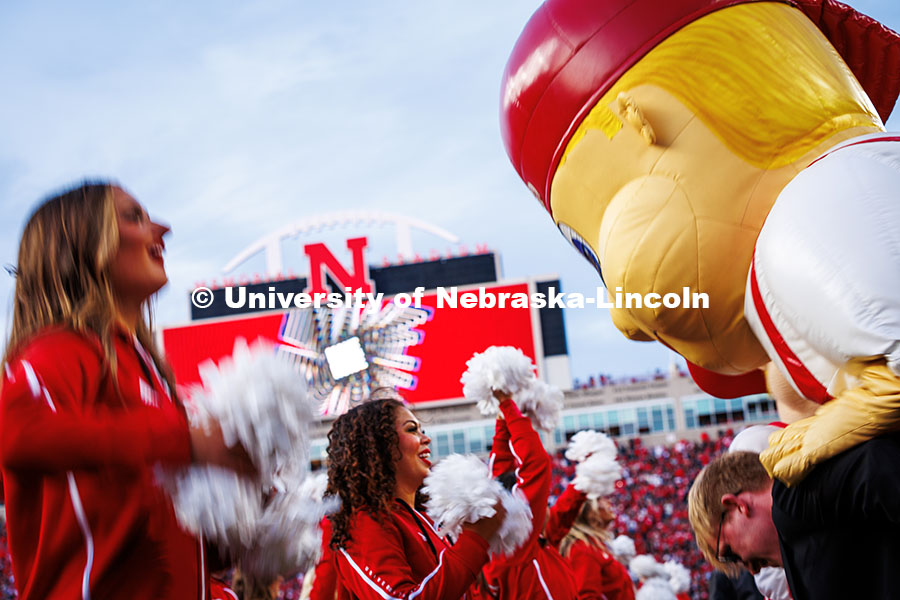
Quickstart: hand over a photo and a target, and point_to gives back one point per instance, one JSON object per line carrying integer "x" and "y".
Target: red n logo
{"x": 321, "y": 258}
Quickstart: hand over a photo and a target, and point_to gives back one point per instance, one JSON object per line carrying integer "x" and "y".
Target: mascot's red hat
{"x": 572, "y": 51}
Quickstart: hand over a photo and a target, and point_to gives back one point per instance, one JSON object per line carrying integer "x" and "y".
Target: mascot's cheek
{"x": 651, "y": 242}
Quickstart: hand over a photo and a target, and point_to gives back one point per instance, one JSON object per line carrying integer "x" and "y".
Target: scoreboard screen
{"x": 448, "y": 339}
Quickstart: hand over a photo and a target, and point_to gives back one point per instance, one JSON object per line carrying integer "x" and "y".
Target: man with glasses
{"x": 836, "y": 533}
{"x": 770, "y": 581}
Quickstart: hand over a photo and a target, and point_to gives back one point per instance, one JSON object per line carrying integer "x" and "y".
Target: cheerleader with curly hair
{"x": 383, "y": 545}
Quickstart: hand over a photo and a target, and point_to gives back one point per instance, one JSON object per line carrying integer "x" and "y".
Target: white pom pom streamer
{"x": 461, "y": 490}
{"x": 597, "y": 470}
{"x": 215, "y": 502}
{"x": 542, "y": 402}
{"x": 655, "y": 589}
{"x": 646, "y": 567}
{"x": 517, "y": 524}
{"x": 315, "y": 486}
{"x": 587, "y": 443}
{"x": 287, "y": 537}
{"x": 497, "y": 368}
{"x": 679, "y": 576}
{"x": 597, "y": 475}
{"x": 622, "y": 548}
{"x": 655, "y": 579}
{"x": 260, "y": 402}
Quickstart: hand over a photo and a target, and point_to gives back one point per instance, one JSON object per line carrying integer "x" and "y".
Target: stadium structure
{"x": 419, "y": 336}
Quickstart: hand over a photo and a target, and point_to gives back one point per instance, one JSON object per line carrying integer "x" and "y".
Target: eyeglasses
{"x": 729, "y": 557}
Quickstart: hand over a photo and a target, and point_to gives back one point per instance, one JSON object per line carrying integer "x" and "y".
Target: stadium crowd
{"x": 651, "y": 503}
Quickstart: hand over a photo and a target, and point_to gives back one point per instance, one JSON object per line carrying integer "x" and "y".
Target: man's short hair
{"x": 729, "y": 474}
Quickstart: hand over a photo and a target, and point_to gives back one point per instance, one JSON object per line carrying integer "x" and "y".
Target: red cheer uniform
{"x": 403, "y": 557}
{"x": 78, "y": 447}
{"x": 563, "y": 513}
{"x": 536, "y": 570}
{"x": 324, "y": 583}
{"x": 598, "y": 575}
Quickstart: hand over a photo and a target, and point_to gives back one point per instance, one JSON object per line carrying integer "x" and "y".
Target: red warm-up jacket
{"x": 324, "y": 583}
{"x": 536, "y": 570}
{"x": 77, "y": 453}
{"x": 562, "y": 514}
{"x": 403, "y": 558}
{"x": 598, "y": 575}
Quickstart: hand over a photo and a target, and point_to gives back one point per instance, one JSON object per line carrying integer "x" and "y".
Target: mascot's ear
{"x": 631, "y": 113}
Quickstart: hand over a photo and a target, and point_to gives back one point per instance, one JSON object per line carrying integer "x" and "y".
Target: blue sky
{"x": 230, "y": 119}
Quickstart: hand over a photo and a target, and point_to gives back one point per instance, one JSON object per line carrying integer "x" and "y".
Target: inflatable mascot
{"x": 735, "y": 148}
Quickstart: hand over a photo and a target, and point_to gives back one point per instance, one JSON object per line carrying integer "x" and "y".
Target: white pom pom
{"x": 497, "y": 368}
{"x": 623, "y": 548}
{"x": 214, "y": 502}
{"x": 597, "y": 470}
{"x": 588, "y": 443}
{"x": 597, "y": 475}
{"x": 287, "y": 537}
{"x": 260, "y": 402}
{"x": 461, "y": 490}
{"x": 655, "y": 589}
{"x": 517, "y": 524}
{"x": 646, "y": 567}
{"x": 315, "y": 486}
{"x": 655, "y": 577}
{"x": 679, "y": 576}
{"x": 543, "y": 404}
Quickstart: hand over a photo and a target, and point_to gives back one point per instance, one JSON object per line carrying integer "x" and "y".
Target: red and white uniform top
{"x": 220, "y": 591}
{"x": 598, "y": 575}
{"x": 563, "y": 514}
{"x": 324, "y": 579}
{"x": 77, "y": 450}
{"x": 403, "y": 558}
{"x": 535, "y": 570}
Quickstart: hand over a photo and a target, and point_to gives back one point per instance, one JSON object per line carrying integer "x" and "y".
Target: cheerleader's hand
{"x": 500, "y": 395}
{"x": 208, "y": 447}
{"x": 487, "y": 527}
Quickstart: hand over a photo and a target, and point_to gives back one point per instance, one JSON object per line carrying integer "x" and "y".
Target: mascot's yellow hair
{"x": 760, "y": 75}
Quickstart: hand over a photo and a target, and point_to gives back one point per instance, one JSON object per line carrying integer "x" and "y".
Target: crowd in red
{"x": 651, "y": 499}
{"x": 7, "y": 584}
{"x": 650, "y": 504}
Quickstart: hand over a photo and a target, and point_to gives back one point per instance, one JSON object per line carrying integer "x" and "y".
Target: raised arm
{"x": 532, "y": 470}
{"x": 502, "y": 459}
{"x": 563, "y": 513}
